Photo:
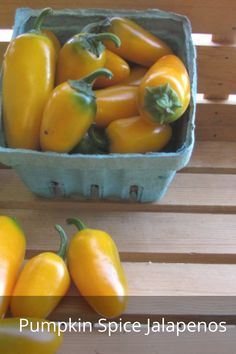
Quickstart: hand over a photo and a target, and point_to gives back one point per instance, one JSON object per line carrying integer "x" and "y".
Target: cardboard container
{"x": 139, "y": 177}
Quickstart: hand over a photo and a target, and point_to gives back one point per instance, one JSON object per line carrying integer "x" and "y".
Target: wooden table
{"x": 183, "y": 245}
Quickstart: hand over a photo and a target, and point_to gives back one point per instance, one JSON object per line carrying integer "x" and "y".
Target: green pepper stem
{"x": 64, "y": 241}
{"x": 89, "y": 79}
{"x": 97, "y": 27}
{"x": 84, "y": 85}
{"x": 77, "y": 222}
{"x": 99, "y": 37}
{"x": 162, "y": 102}
{"x": 39, "y": 20}
{"x": 95, "y": 74}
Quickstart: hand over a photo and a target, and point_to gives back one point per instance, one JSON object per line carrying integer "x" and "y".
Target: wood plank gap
{"x": 194, "y": 258}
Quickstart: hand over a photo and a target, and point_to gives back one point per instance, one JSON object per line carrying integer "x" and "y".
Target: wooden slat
{"x": 216, "y": 120}
{"x": 213, "y": 157}
{"x": 157, "y": 237}
{"x": 188, "y": 193}
{"x": 206, "y": 15}
{"x": 180, "y": 279}
{"x": 216, "y": 69}
{"x": 149, "y": 284}
{"x": 161, "y": 343}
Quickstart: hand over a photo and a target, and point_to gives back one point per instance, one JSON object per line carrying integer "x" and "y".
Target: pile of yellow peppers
{"x": 33, "y": 290}
{"x": 112, "y": 88}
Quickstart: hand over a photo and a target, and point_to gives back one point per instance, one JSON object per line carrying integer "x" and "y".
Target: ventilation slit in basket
{"x": 94, "y": 191}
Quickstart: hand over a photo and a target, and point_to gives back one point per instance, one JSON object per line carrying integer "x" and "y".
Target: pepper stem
{"x": 77, "y": 222}
{"x": 93, "y": 42}
{"x": 162, "y": 102}
{"x": 97, "y": 27}
{"x": 86, "y": 82}
{"x": 64, "y": 241}
{"x": 39, "y": 20}
{"x": 99, "y": 37}
{"x": 93, "y": 76}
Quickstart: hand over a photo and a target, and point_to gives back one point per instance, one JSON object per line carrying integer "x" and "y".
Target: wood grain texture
{"x": 216, "y": 69}
{"x": 161, "y": 343}
{"x": 213, "y": 157}
{"x": 157, "y": 237}
{"x": 216, "y": 120}
{"x": 181, "y": 279}
{"x": 205, "y": 15}
{"x": 149, "y": 283}
{"x": 202, "y": 193}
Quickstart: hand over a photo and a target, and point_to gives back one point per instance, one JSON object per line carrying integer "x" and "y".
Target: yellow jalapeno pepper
{"x": 82, "y": 54}
{"x": 115, "y": 102}
{"x": 135, "y": 77}
{"x": 28, "y": 79}
{"x": 21, "y": 336}
{"x": 164, "y": 92}
{"x": 54, "y": 39}
{"x": 42, "y": 283}
{"x": 131, "y": 135}
{"x": 95, "y": 268}
{"x": 68, "y": 114}
{"x": 137, "y": 44}
{"x": 12, "y": 252}
{"x": 119, "y": 68}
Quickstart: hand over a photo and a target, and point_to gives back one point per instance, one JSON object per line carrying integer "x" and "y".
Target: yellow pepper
{"x": 96, "y": 270}
{"x": 119, "y": 68}
{"x": 135, "y": 77}
{"x": 28, "y": 79}
{"x": 12, "y": 252}
{"x": 18, "y": 338}
{"x": 164, "y": 92}
{"x": 42, "y": 283}
{"x": 68, "y": 114}
{"x": 82, "y": 54}
{"x": 54, "y": 39}
{"x": 115, "y": 102}
{"x": 131, "y": 135}
{"x": 137, "y": 44}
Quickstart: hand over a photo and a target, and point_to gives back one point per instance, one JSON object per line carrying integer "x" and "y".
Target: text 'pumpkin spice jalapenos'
{"x": 42, "y": 283}
{"x": 164, "y": 92}
{"x": 116, "y": 102}
{"x": 28, "y": 79}
{"x": 132, "y": 135}
{"x": 96, "y": 269}
{"x": 82, "y": 54}
{"x": 137, "y": 44}
{"x": 68, "y": 114}
{"x": 12, "y": 252}
{"x": 25, "y": 338}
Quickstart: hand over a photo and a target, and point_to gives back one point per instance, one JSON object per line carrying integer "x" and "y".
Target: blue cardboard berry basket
{"x": 136, "y": 177}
